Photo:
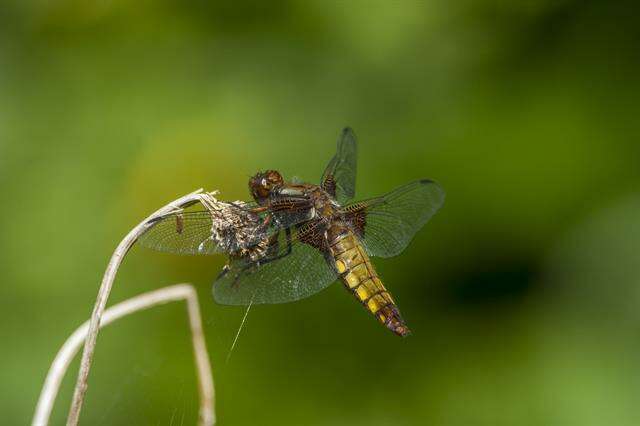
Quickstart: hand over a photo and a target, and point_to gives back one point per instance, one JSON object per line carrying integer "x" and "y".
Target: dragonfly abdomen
{"x": 360, "y": 278}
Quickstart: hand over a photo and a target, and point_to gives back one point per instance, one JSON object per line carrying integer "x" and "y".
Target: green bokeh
{"x": 522, "y": 292}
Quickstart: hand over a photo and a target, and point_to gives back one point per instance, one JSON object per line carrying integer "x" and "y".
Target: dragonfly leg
{"x": 265, "y": 260}
{"x": 287, "y": 232}
{"x": 267, "y": 221}
{"x": 225, "y": 270}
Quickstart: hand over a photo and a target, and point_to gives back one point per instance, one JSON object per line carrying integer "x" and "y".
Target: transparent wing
{"x": 294, "y": 269}
{"x": 186, "y": 233}
{"x": 387, "y": 224}
{"x": 339, "y": 177}
{"x": 236, "y": 227}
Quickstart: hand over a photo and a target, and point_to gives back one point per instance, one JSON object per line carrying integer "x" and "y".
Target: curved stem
{"x": 144, "y": 301}
{"x": 103, "y": 294}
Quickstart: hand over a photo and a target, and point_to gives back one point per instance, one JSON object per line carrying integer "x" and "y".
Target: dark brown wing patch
{"x": 312, "y": 233}
{"x": 329, "y": 185}
{"x": 289, "y": 211}
{"x": 356, "y": 218}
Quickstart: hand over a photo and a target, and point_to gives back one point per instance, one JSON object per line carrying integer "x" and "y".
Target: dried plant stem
{"x": 103, "y": 295}
{"x": 144, "y": 301}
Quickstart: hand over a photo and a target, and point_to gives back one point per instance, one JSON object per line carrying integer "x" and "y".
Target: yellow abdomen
{"x": 359, "y": 276}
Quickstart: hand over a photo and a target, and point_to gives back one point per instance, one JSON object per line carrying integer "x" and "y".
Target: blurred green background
{"x": 523, "y": 292}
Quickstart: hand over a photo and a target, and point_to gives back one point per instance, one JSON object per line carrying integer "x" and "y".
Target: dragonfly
{"x": 295, "y": 239}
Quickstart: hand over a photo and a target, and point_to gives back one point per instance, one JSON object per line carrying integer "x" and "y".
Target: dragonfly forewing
{"x": 224, "y": 227}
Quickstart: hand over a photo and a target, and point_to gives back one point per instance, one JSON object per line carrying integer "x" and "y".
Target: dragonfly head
{"x": 262, "y": 183}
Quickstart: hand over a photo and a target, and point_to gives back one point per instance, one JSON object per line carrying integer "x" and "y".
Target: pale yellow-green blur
{"x": 522, "y": 293}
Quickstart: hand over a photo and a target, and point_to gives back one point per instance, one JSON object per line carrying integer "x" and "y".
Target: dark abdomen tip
{"x": 394, "y": 322}
{"x": 402, "y": 331}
